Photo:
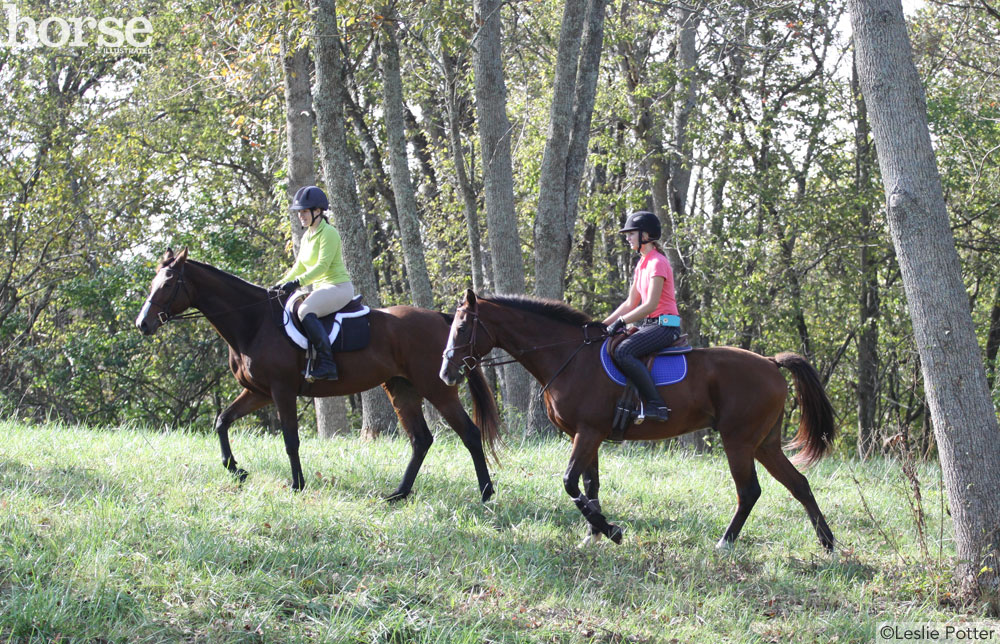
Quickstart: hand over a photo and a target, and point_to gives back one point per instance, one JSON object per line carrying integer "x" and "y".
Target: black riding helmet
{"x": 309, "y": 197}
{"x": 643, "y": 221}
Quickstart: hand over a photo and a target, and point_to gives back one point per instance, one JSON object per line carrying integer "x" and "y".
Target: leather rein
{"x": 472, "y": 361}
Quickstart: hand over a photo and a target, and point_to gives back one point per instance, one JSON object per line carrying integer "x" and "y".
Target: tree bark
{"x": 498, "y": 177}
{"x": 399, "y": 171}
{"x": 962, "y": 414}
{"x": 331, "y": 413}
{"x": 377, "y": 414}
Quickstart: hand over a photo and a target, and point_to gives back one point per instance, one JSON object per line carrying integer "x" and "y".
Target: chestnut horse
{"x": 739, "y": 393}
{"x": 402, "y": 356}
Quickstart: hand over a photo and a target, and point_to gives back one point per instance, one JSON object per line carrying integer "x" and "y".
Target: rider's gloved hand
{"x": 288, "y": 287}
{"x": 618, "y": 326}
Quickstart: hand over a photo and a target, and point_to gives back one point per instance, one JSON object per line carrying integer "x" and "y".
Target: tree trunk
{"x": 299, "y": 122}
{"x": 399, "y": 171}
{"x": 377, "y": 414}
{"x": 498, "y": 178}
{"x": 962, "y": 414}
{"x": 993, "y": 339}
{"x": 552, "y": 238}
{"x": 331, "y": 413}
{"x": 469, "y": 203}
{"x": 679, "y": 180}
{"x": 868, "y": 293}
{"x": 564, "y": 158}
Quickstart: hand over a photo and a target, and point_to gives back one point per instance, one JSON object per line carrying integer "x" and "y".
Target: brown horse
{"x": 739, "y": 393}
{"x": 402, "y": 357}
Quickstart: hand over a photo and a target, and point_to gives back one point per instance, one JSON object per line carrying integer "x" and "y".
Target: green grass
{"x": 133, "y": 535}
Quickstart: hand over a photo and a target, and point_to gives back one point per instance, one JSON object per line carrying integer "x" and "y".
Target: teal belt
{"x": 665, "y": 320}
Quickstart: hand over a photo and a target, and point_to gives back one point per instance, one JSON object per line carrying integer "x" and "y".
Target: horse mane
{"x": 551, "y": 309}
{"x": 223, "y": 274}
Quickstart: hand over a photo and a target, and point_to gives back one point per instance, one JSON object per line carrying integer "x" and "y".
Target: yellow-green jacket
{"x": 320, "y": 259}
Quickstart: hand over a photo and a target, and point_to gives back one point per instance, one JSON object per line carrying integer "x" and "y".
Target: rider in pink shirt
{"x": 652, "y": 304}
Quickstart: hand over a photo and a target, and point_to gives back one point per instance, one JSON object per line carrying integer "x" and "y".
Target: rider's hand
{"x": 618, "y": 326}
{"x": 288, "y": 287}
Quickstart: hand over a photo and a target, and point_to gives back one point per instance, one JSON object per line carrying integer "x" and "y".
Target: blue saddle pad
{"x": 667, "y": 370}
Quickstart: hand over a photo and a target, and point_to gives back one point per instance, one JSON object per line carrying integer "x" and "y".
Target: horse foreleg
{"x": 245, "y": 403}
{"x": 459, "y": 421}
{"x": 585, "y": 445}
{"x": 591, "y": 487}
{"x": 285, "y": 403}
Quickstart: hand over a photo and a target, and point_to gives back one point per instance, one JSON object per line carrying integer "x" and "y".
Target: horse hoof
{"x": 487, "y": 492}
{"x": 589, "y": 541}
{"x": 396, "y": 496}
{"x": 724, "y": 546}
{"x": 240, "y": 474}
{"x": 614, "y": 533}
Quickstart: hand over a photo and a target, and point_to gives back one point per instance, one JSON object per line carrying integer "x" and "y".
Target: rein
{"x": 472, "y": 361}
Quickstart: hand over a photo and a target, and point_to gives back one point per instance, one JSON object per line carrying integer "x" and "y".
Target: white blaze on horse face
{"x": 449, "y": 353}
{"x": 158, "y": 281}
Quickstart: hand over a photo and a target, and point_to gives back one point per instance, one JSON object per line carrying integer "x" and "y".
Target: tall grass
{"x": 142, "y": 536}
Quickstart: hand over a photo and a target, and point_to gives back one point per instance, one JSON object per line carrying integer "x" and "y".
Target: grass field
{"x": 142, "y": 536}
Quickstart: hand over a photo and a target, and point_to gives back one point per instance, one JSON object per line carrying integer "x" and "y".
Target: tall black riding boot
{"x": 653, "y": 406}
{"x": 323, "y": 368}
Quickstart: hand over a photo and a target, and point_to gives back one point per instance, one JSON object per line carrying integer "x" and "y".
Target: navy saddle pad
{"x": 349, "y": 327}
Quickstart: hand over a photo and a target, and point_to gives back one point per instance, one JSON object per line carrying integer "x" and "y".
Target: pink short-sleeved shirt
{"x": 653, "y": 264}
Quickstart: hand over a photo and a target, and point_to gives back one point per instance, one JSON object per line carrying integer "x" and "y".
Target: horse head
{"x": 466, "y": 346}
{"x": 169, "y": 294}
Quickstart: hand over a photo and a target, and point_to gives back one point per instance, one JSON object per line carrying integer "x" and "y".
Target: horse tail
{"x": 816, "y": 426}
{"x": 485, "y": 412}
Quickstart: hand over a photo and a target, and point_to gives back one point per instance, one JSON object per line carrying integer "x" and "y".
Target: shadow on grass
{"x": 60, "y": 484}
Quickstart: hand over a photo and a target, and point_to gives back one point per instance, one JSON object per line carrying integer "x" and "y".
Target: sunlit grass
{"x": 136, "y": 535}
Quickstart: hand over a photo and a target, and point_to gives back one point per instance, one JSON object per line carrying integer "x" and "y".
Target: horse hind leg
{"x": 407, "y": 404}
{"x": 247, "y": 402}
{"x": 773, "y": 458}
{"x": 744, "y": 473}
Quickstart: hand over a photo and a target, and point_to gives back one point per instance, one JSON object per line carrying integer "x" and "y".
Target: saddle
{"x": 349, "y": 328}
{"x": 667, "y": 366}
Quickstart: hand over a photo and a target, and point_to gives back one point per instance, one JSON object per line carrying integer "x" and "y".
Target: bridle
{"x": 165, "y": 315}
{"x": 471, "y": 361}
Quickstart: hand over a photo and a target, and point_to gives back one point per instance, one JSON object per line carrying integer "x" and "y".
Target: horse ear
{"x": 167, "y": 256}
{"x": 181, "y": 257}
{"x": 470, "y": 298}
